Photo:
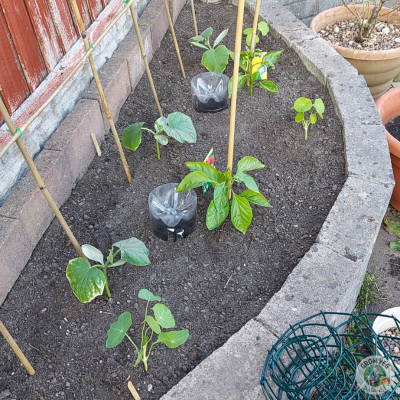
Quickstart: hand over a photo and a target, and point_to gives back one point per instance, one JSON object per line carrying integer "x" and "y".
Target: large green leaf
{"x": 86, "y": 282}
{"x": 216, "y": 216}
{"x": 192, "y": 180}
{"x": 132, "y": 136}
{"x": 153, "y": 324}
{"x": 395, "y": 245}
{"x": 256, "y": 198}
{"x": 180, "y": 127}
{"x": 247, "y": 180}
{"x": 134, "y": 251}
{"x": 263, "y": 27}
{"x": 319, "y": 107}
{"x": 271, "y": 58}
{"x": 173, "y": 339}
{"x": 92, "y": 253}
{"x": 221, "y": 195}
{"x": 117, "y": 331}
{"x": 302, "y": 104}
{"x": 164, "y": 316}
{"x": 145, "y": 294}
{"x": 241, "y": 213}
{"x": 270, "y": 86}
{"x": 249, "y": 164}
{"x": 211, "y": 172}
{"x": 220, "y": 37}
{"x": 216, "y": 60}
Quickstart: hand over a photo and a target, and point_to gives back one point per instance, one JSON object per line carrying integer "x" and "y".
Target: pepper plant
{"x": 88, "y": 281}
{"x": 163, "y": 319}
{"x": 176, "y": 125}
{"x": 218, "y": 210}
{"x": 214, "y": 59}
{"x": 302, "y": 105}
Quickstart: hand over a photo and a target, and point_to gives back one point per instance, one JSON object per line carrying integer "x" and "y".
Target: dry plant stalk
{"x": 367, "y": 21}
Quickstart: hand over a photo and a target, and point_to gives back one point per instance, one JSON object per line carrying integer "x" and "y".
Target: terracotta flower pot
{"x": 389, "y": 108}
{"x": 378, "y": 67}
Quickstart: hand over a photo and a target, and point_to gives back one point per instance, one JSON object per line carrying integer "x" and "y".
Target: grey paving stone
{"x": 231, "y": 372}
{"x": 353, "y": 223}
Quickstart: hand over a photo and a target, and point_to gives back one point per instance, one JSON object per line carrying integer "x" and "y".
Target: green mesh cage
{"x": 333, "y": 356}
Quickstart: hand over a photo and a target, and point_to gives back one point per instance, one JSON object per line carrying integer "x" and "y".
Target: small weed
{"x": 369, "y": 292}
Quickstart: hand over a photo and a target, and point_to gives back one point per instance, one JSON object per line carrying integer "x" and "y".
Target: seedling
{"x": 163, "y": 319}
{"x": 254, "y": 64}
{"x": 214, "y": 59}
{"x": 176, "y": 125}
{"x": 88, "y": 281}
{"x": 218, "y": 210}
{"x": 302, "y": 105}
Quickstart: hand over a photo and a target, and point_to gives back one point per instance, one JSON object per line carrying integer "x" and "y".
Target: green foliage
{"x": 88, "y": 281}
{"x": 251, "y": 66}
{"x": 369, "y": 292}
{"x": 176, "y": 125}
{"x": 218, "y": 210}
{"x": 303, "y": 105}
{"x": 394, "y": 227}
{"x": 163, "y": 319}
{"x": 214, "y": 59}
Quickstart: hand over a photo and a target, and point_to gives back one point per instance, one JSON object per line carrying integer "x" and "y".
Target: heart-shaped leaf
{"x": 216, "y": 216}
{"x": 134, "y": 251}
{"x": 299, "y": 117}
{"x": 241, "y": 213}
{"x": 180, "y": 127}
{"x": 193, "y": 180}
{"x": 153, "y": 324}
{"x": 145, "y": 294}
{"x": 248, "y": 39}
{"x": 173, "y": 339}
{"x": 302, "y": 104}
{"x": 211, "y": 172}
{"x": 132, "y": 136}
{"x": 92, "y": 253}
{"x": 118, "y": 329}
{"x": 164, "y": 316}
{"x": 162, "y": 139}
{"x": 216, "y": 60}
{"x": 263, "y": 27}
{"x": 249, "y": 164}
{"x": 319, "y": 107}
{"x": 86, "y": 282}
{"x": 256, "y": 198}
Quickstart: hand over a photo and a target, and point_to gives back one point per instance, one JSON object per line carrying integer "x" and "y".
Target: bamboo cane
{"x": 171, "y": 25}
{"x": 146, "y": 63}
{"x": 96, "y": 144}
{"x": 38, "y": 178}
{"x": 100, "y": 89}
{"x": 255, "y": 23}
{"x": 238, "y": 43}
{"x": 16, "y": 349}
{"x": 133, "y": 391}
{"x": 194, "y": 18}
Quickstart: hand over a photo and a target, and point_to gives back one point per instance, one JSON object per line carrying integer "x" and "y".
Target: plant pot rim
{"x": 355, "y": 53}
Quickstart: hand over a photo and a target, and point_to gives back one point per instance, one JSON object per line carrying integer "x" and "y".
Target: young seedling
{"x": 163, "y": 319}
{"x": 88, "y": 281}
{"x": 218, "y": 210}
{"x": 176, "y": 125}
{"x": 214, "y": 59}
{"x": 254, "y": 64}
{"x": 302, "y": 105}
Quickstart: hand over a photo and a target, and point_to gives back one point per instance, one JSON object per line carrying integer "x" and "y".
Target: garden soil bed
{"x": 213, "y": 281}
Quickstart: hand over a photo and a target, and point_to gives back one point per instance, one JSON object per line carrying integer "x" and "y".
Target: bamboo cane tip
{"x": 132, "y": 389}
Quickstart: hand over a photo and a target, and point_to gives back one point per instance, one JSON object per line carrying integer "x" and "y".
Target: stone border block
{"x": 175, "y": 7}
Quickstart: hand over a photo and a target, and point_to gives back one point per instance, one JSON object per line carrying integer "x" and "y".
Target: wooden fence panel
{"x": 84, "y": 10}
{"x": 95, "y": 8}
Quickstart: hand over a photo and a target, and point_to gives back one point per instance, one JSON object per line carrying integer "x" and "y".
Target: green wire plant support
{"x": 333, "y": 356}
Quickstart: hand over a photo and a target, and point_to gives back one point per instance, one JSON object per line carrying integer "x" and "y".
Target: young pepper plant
{"x": 176, "y": 125}
{"x": 302, "y": 105}
{"x": 88, "y": 281}
{"x": 218, "y": 210}
{"x": 214, "y": 59}
{"x": 163, "y": 319}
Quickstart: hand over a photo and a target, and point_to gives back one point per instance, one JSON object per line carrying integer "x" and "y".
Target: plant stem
{"x": 158, "y": 151}
{"x": 144, "y": 359}
{"x": 305, "y": 124}
{"x": 134, "y": 345}
{"x": 105, "y": 277}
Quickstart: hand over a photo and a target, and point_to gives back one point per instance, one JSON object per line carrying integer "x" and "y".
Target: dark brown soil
{"x": 393, "y": 128}
{"x": 65, "y": 340}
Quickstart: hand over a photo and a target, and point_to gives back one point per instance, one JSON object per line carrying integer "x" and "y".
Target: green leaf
{"x": 241, "y": 213}
{"x": 162, "y": 139}
{"x": 216, "y": 216}
{"x": 173, "y": 339}
{"x": 160, "y": 124}
{"x": 241, "y": 81}
{"x": 395, "y": 245}
{"x": 220, "y": 37}
{"x": 319, "y": 107}
{"x": 232, "y": 54}
{"x": 248, "y": 31}
{"x": 207, "y": 169}
{"x": 180, "y": 127}
{"x": 198, "y": 38}
{"x": 313, "y": 118}
{"x": 118, "y": 329}
{"x": 216, "y": 60}
{"x": 145, "y": 340}
{"x": 302, "y": 104}
{"x": 92, "y": 253}
{"x": 207, "y": 33}
{"x": 139, "y": 358}
{"x": 118, "y": 263}
{"x": 145, "y": 294}
{"x": 164, "y": 316}
{"x": 134, "y": 251}
{"x": 247, "y": 180}
{"x": 270, "y": 86}
{"x": 263, "y": 27}
{"x": 197, "y": 44}
{"x": 249, "y": 164}
{"x": 132, "y": 136}
{"x": 192, "y": 180}
{"x": 299, "y": 117}
{"x": 271, "y": 58}
{"x": 256, "y": 198}
{"x": 393, "y": 226}
{"x": 86, "y": 282}
{"x": 221, "y": 195}
{"x": 153, "y": 324}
